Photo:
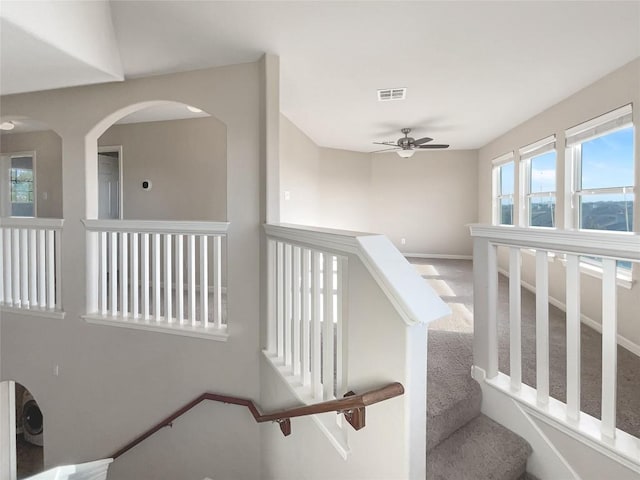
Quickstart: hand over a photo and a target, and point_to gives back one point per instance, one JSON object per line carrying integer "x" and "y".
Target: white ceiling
{"x": 473, "y": 69}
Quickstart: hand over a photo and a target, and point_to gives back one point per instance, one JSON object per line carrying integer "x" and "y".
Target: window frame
{"x": 496, "y": 181}
{"x": 5, "y": 179}
{"x": 598, "y": 127}
{"x": 527, "y": 154}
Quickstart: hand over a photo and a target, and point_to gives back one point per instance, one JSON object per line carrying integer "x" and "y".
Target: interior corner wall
{"x": 427, "y": 199}
{"x": 299, "y": 176}
{"x": 48, "y": 147}
{"x": 619, "y": 88}
{"x": 345, "y": 190}
{"x": 186, "y": 162}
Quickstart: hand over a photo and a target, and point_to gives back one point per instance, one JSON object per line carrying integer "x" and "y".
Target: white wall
{"x": 48, "y": 147}
{"x": 427, "y": 199}
{"x": 299, "y": 176}
{"x": 616, "y": 89}
{"x": 345, "y": 190}
{"x": 185, "y": 161}
{"x": 115, "y": 383}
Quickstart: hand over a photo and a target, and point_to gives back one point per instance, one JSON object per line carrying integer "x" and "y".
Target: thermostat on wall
{"x": 146, "y": 184}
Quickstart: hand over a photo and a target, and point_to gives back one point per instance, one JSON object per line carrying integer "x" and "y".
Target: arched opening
{"x": 166, "y": 161}
{"x": 31, "y": 169}
{"x": 22, "y": 432}
{"x": 164, "y": 166}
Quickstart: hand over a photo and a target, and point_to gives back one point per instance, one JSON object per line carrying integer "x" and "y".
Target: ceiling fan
{"x": 406, "y": 146}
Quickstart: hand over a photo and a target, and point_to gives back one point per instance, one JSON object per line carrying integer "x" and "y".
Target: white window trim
{"x": 527, "y": 153}
{"x": 496, "y": 164}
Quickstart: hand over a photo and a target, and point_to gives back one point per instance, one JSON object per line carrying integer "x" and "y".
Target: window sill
{"x": 622, "y": 280}
{"x": 211, "y": 333}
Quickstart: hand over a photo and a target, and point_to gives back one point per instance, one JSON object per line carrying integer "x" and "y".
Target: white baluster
{"x": 217, "y": 280}
{"x": 180, "y": 279}
{"x": 157, "y": 299}
{"x": 295, "y": 279}
{"x": 272, "y": 310}
{"x": 52, "y": 268}
{"x": 192, "y": 278}
{"x": 2, "y": 270}
{"x": 33, "y": 269}
{"x": 341, "y": 312}
{"x": 316, "y": 334}
{"x": 124, "y": 274}
{"x": 542, "y": 327}
{"x": 135, "y": 279}
{"x": 288, "y": 347}
{"x": 306, "y": 317}
{"x": 145, "y": 277}
{"x": 24, "y": 267}
{"x": 8, "y": 290}
{"x": 168, "y": 279}
{"x": 42, "y": 280}
{"x": 327, "y": 328}
{"x": 16, "y": 266}
{"x": 113, "y": 273}
{"x": 204, "y": 281}
{"x": 609, "y": 346}
{"x": 104, "y": 252}
{"x": 280, "y": 298}
{"x": 58, "y": 268}
{"x": 515, "y": 318}
{"x": 573, "y": 337}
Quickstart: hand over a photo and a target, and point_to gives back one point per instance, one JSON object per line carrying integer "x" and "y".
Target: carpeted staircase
{"x": 463, "y": 444}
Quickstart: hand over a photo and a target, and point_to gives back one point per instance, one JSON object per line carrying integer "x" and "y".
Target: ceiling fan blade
{"x": 420, "y": 141}
{"x": 389, "y": 144}
{"x": 433, "y": 145}
{"x": 386, "y": 150}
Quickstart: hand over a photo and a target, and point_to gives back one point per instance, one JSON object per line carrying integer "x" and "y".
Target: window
{"x": 503, "y": 188}
{"x": 539, "y": 183}
{"x": 22, "y": 191}
{"x": 602, "y": 160}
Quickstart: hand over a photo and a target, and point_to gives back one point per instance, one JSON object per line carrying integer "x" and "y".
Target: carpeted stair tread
{"x": 453, "y": 397}
{"x": 481, "y": 450}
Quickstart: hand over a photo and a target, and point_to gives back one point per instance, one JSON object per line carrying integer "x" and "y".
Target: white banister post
{"x": 609, "y": 347}
{"x": 515, "y": 318}
{"x": 93, "y": 267}
{"x": 485, "y": 287}
{"x": 271, "y": 297}
{"x": 573, "y": 337}
{"x": 542, "y": 327}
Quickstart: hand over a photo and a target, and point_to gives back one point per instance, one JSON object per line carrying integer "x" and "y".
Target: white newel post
{"x": 485, "y": 285}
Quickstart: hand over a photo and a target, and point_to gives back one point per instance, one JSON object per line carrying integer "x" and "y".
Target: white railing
{"x": 569, "y": 246}
{"x": 30, "y": 264}
{"x": 85, "y": 471}
{"x": 322, "y": 285}
{"x": 157, "y": 275}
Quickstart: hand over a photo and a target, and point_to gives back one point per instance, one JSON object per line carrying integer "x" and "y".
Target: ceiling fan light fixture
{"x": 194, "y": 109}
{"x": 408, "y": 153}
{"x": 7, "y": 126}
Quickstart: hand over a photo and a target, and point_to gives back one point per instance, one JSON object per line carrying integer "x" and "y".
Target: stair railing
{"x": 30, "y": 252}
{"x": 352, "y": 406}
{"x": 613, "y": 253}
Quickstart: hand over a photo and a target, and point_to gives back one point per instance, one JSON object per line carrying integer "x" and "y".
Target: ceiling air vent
{"x": 392, "y": 94}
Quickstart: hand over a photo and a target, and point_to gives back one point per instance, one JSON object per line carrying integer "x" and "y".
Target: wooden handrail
{"x": 352, "y": 406}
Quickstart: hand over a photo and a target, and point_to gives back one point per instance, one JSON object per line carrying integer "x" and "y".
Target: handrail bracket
{"x": 285, "y": 426}
{"x": 355, "y": 416}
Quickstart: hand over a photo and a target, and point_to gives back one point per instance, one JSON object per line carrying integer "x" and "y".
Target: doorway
{"x": 21, "y": 432}
{"x": 110, "y": 182}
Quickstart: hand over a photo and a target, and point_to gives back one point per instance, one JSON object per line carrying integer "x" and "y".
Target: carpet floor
{"x": 453, "y": 281}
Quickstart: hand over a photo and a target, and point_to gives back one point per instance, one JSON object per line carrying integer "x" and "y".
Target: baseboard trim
{"x": 442, "y": 256}
{"x": 624, "y": 342}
